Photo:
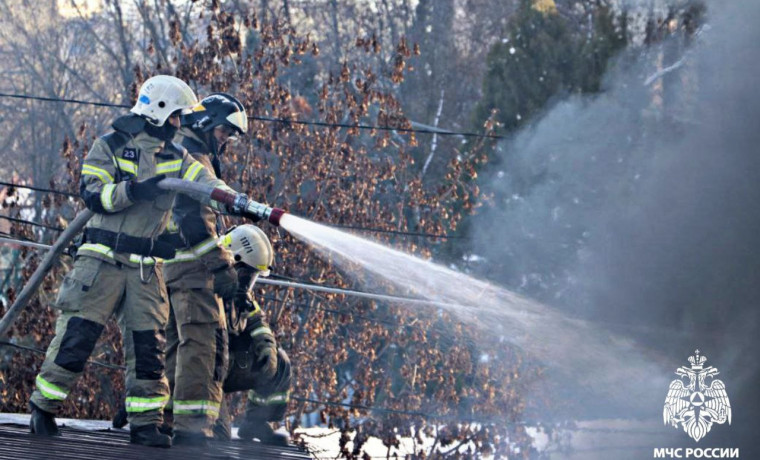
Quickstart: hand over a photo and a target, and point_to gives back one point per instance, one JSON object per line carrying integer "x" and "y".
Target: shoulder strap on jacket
{"x": 115, "y": 140}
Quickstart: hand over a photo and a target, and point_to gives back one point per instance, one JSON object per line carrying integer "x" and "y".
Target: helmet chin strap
{"x": 165, "y": 132}
{"x": 216, "y": 151}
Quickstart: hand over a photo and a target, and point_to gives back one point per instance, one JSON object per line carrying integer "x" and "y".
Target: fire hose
{"x": 238, "y": 203}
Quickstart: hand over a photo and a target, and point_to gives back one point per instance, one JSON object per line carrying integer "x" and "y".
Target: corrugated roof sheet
{"x": 17, "y": 443}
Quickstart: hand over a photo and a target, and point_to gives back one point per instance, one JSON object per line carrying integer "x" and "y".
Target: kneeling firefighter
{"x": 256, "y": 365}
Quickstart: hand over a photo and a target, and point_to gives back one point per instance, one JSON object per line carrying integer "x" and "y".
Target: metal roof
{"x": 86, "y": 444}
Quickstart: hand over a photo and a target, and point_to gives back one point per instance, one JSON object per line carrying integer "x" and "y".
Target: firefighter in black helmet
{"x": 199, "y": 278}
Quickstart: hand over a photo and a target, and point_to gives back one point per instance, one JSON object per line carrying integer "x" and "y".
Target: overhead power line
{"x": 394, "y": 232}
{"x": 366, "y": 295}
{"x": 38, "y": 351}
{"x": 31, "y": 244}
{"x": 346, "y": 226}
{"x": 299, "y": 285}
{"x": 333, "y": 311}
{"x": 29, "y": 222}
{"x": 39, "y": 189}
{"x": 440, "y": 132}
{"x": 59, "y": 99}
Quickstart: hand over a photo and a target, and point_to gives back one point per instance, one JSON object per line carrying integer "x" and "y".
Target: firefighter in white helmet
{"x": 257, "y": 365}
{"x": 118, "y": 270}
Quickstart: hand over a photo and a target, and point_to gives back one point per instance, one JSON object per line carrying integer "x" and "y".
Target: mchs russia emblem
{"x": 694, "y": 403}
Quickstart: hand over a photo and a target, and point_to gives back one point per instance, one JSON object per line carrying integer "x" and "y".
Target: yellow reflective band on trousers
{"x": 275, "y": 398}
{"x": 102, "y": 174}
{"x": 145, "y": 404}
{"x": 106, "y": 197}
{"x": 49, "y": 390}
{"x": 169, "y": 166}
{"x": 193, "y": 171}
{"x": 196, "y": 407}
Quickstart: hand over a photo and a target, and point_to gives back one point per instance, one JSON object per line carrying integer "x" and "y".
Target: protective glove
{"x": 263, "y": 348}
{"x": 225, "y": 281}
{"x": 146, "y": 190}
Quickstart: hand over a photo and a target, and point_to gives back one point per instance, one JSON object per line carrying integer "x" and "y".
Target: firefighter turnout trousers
{"x": 269, "y": 398}
{"x": 90, "y": 294}
{"x": 196, "y": 358}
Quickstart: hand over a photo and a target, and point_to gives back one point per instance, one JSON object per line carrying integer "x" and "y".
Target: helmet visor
{"x": 239, "y": 121}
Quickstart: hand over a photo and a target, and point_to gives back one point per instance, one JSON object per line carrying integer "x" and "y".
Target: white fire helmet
{"x": 162, "y": 95}
{"x": 250, "y": 245}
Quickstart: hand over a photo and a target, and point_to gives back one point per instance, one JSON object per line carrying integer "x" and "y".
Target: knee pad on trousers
{"x": 77, "y": 343}
{"x": 150, "y": 361}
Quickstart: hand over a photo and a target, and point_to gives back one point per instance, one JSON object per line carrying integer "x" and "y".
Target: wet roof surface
{"x": 82, "y": 444}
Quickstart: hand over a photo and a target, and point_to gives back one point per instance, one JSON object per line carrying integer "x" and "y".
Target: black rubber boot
{"x": 222, "y": 426}
{"x": 42, "y": 423}
{"x": 222, "y": 431}
{"x": 168, "y": 426}
{"x": 149, "y": 435}
{"x": 261, "y": 430}
{"x": 120, "y": 419}
{"x": 186, "y": 438}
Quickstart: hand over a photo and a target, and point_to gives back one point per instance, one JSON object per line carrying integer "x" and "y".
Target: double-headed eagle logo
{"x": 696, "y": 405}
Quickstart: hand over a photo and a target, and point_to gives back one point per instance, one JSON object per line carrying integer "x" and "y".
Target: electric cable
{"x": 29, "y": 222}
{"x": 345, "y": 226}
{"x": 39, "y": 189}
{"x": 340, "y": 312}
{"x": 313, "y": 287}
{"x": 365, "y": 295}
{"x": 393, "y": 232}
{"x": 441, "y": 132}
{"x": 42, "y": 352}
{"x": 14, "y": 238}
{"x": 30, "y": 244}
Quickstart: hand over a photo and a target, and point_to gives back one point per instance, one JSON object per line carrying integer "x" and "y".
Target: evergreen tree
{"x": 542, "y": 55}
